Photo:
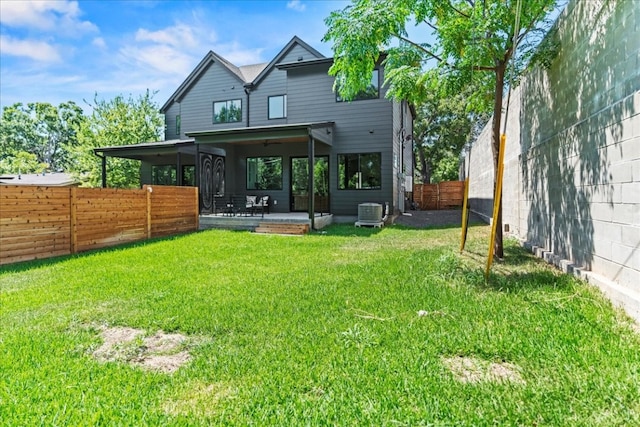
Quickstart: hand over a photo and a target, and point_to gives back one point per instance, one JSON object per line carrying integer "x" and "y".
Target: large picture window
{"x": 278, "y": 107}
{"x": 371, "y": 92}
{"x": 227, "y": 111}
{"x": 359, "y": 171}
{"x": 163, "y": 175}
{"x": 264, "y": 173}
{"x": 167, "y": 175}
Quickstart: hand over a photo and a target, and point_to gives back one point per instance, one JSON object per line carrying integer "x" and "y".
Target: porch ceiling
{"x": 322, "y": 132}
{"x": 150, "y": 150}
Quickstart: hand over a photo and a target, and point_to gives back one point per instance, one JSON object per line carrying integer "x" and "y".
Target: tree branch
{"x": 422, "y": 48}
{"x": 458, "y": 11}
{"x": 430, "y": 25}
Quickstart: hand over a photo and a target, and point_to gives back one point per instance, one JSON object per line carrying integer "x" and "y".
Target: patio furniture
{"x": 258, "y": 204}
{"x": 240, "y": 206}
{"x": 221, "y": 205}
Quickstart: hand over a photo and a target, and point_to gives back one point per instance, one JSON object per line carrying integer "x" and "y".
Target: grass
{"x": 318, "y": 330}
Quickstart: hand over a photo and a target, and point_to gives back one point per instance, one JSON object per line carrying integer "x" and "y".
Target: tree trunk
{"x": 425, "y": 172}
{"x": 497, "y": 118}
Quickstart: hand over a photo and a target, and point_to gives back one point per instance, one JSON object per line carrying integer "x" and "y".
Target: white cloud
{"x": 99, "y": 43}
{"x": 239, "y": 55}
{"x": 45, "y": 16}
{"x": 162, "y": 58}
{"x": 180, "y": 36}
{"x": 37, "y": 50}
{"x": 296, "y": 5}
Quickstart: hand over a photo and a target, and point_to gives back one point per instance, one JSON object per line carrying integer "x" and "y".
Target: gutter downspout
{"x": 247, "y": 91}
{"x": 104, "y": 168}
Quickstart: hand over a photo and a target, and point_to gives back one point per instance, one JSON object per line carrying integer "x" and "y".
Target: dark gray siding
{"x": 364, "y": 126}
{"x": 170, "y": 123}
{"x": 274, "y": 83}
{"x": 216, "y": 84}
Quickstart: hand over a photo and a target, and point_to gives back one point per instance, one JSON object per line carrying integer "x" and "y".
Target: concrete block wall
{"x": 572, "y": 162}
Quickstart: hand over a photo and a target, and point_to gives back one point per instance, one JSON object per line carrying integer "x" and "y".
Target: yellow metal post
{"x": 496, "y": 204}
{"x": 465, "y": 215}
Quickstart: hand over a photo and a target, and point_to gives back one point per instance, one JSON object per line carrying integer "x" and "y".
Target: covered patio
{"x": 215, "y": 161}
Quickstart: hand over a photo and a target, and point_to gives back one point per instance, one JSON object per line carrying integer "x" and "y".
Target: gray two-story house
{"x": 279, "y": 129}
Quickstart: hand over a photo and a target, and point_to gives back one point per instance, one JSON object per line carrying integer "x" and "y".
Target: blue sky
{"x": 56, "y": 51}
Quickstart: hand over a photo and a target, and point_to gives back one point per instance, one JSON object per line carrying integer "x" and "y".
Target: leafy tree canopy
{"x": 119, "y": 121}
{"x": 442, "y": 128}
{"x": 474, "y": 43}
{"x": 38, "y": 136}
{"x": 470, "y": 36}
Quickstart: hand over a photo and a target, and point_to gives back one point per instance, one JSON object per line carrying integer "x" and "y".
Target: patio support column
{"x": 104, "y": 171}
{"x": 179, "y": 169}
{"x": 311, "y": 180}
{"x": 197, "y": 172}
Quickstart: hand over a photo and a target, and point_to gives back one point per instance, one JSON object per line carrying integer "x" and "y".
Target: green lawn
{"x": 316, "y": 330}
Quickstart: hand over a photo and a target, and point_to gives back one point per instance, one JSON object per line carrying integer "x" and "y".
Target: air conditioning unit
{"x": 369, "y": 214}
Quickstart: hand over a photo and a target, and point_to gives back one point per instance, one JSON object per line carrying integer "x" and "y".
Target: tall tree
{"x": 442, "y": 128}
{"x": 473, "y": 40}
{"x": 119, "y": 121}
{"x": 39, "y": 129}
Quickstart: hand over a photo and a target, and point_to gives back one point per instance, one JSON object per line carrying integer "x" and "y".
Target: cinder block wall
{"x": 572, "y": 162}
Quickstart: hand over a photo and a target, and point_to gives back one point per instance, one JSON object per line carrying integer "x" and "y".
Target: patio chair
{"x": 240, "y": 206}
{"x": 257, "y": 204}
{"x": 221, "y": 205}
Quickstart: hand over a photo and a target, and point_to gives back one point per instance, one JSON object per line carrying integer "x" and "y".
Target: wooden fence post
{"x": 149, "y": 190}
{"x": 73, "y": 229}
{"x": 197, "y": 208}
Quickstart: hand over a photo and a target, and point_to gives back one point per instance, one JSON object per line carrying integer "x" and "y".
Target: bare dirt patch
{"x": 160, "y": 352}
{"x": 474, "y": 370}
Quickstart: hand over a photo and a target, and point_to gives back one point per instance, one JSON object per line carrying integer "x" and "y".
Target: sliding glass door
{"x": 300, "y": 184}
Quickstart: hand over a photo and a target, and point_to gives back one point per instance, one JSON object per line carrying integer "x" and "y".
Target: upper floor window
{"x": 278, "y": 107}
{"x": 371, "y": 92}
{"x": 264, "y": 173}
{"x": 359, "y": 171}
{"x": 178, "y": 124}
{"x": 227, "y": 111}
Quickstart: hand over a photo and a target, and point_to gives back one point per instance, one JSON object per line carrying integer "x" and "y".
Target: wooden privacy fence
{"x": 445, "y": 195}
{"x": 42, "y": 222}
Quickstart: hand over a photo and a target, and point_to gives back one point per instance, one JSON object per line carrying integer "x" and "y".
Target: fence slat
{"x": 444, "y": 195}
{"x": 42, "y": 222}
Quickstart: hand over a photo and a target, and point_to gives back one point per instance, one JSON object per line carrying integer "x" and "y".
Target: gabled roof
{"x": 208, "y": 59}
{"x": 250, "y": 72}
{"x": 249, "y": 75}
{"x": 294, "y": 41}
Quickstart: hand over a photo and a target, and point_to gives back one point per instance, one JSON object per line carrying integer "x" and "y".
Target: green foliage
{"x": 21, "y": 162}
{"x": 470, "y": 38}
{"x": 321, "y": 330}
{"x": 474, "y": 45}
{"x": 120, "y": 121}
{"x": 442, "y": 128}
{"x": 447, "y": 169}
{"x": 38, "y": 136}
